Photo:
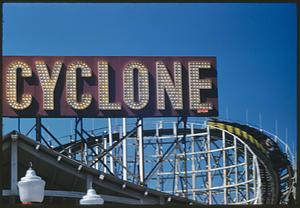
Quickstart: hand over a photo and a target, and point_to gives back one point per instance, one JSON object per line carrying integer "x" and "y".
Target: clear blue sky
{"x": 255, "y": 46}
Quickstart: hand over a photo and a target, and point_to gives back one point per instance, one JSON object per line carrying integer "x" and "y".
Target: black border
{"x": 156, "y": 1}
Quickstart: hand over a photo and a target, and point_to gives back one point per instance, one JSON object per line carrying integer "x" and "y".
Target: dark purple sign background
{"x": 90, "y": 85}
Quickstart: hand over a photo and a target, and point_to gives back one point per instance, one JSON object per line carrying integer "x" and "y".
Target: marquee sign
{"x": 64, "y": 86}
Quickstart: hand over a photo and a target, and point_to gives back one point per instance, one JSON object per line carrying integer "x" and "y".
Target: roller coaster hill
{"x": 176, "y": 162}
{"x": 277, "y": 172}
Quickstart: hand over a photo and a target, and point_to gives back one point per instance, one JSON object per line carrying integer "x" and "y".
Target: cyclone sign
{"x": 65, "y": 86}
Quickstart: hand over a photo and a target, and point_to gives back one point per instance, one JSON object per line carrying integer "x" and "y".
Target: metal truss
{"x": 194, "y": 160}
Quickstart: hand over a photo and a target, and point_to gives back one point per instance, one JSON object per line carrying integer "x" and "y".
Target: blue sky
{"x": 255, "y": 46}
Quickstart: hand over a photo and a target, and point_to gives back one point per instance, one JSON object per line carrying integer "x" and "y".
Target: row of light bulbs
{"x": 165, "y": 85}
{"x": 143, "y": 85}
{"x": 104, "y": 88}
{"x": 86, "y": 99}
{"x": 197, "y": 84}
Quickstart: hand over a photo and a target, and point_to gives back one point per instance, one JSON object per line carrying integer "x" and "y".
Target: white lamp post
{"x": 91, "y": 198}
{"x": 31, "y": 187}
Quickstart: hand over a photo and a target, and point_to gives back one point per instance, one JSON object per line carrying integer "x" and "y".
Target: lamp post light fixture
{"x": 91, "y": 198}
{"x": 31, "y": 187}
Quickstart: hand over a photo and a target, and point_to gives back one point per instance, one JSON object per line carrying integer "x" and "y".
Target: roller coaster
{"x": 208, "y": 162}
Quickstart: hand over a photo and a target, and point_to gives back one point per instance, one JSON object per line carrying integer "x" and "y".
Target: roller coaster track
{"x": 276, "y": 171}
{"x": 277, "y": 174}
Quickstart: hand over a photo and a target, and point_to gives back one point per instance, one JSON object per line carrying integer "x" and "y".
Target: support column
{"x": 14, "y": 164}
{"x": 246, "y": 172}
{"x": 105, "y": 156}
{"x": 97, "y": 153}
{"x": 193, "y": 162}
{"x": 184, "y": 119}
{"x": 38, "y": 129}
{"x": 111, "y": 160}
{"x": 85, "y": 153}
{"x": 236, "y": 171}
{"x": 89, "y": 182}
{"x": 224, "y": 167}
{"x": 124, "y": 145}
{"x": 209, "y": 167}
{"x": 141, "y": 148}
{"x": 176, "y": 164}
{"x": 157, "y": 151}
{"x": 177, "y": 172}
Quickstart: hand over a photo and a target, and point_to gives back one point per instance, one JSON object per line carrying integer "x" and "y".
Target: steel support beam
{"x": 246, "y": 172}
{"x": 14, "y": 164}
{"x": 124, "y": 148}
{"x": 111, "y": 160}
{"x": 105, "y": 156}
{"x": 193, "y": 162}
{"x": 209, "y": 175}
{"x": 224, "y": 165}
{"x": 140, "y": 148}
{"x": 236, "y": 170}
{"x": 97, "y": 148}
{"x": 38, "y": 128}
{"x": 185, "y": 188}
